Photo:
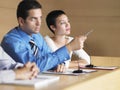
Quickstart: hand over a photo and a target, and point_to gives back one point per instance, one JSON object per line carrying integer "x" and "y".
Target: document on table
{"x": 69, "y": 72}
{"x": 106, "y": 67}
{"x": 101, "y": 67}
{"x": 40, "y": 81}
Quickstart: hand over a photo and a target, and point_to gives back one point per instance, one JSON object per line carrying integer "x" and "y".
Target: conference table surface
{"x": 99, "y": 80}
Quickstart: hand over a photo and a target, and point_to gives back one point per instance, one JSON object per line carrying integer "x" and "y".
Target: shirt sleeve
{"x": 51, "y": 60}
{"x": 53, "y": 48}
{"x": 7, "y": 75}
{"x": 82, "y": 55}
{"x": 21, "y": 52}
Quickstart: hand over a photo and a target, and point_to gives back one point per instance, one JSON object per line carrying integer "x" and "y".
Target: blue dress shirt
{"x": 16, "y": 44}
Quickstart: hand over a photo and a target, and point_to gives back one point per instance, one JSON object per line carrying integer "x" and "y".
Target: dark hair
{"x": 51, "y": 18}
{"x": 25, "y": 5}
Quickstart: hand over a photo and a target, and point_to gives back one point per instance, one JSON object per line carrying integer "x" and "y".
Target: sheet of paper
{"x": 106, "y": 67}
{"x": 69, "y": 72}
{"x": 40, "y": 81}
{"x": 101, "y": 67}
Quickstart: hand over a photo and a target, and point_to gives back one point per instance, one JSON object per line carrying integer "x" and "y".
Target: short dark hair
{"x": 51, "y": 18}
{"x": 25, "y": 5}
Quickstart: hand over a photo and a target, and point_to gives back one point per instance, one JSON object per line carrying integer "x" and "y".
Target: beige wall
{"x": 7, "y": 16}
{"x": 101, "y": 15}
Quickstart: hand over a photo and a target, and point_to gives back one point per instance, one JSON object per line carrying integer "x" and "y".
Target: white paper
{"x": 101, "y": 67}
{"x": 70, "y": 72}
{"x": 40, "y": 81}
{"x": 106, "y": 67}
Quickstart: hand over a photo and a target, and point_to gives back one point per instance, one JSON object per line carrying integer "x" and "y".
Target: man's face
{"x": 32, "y": 23}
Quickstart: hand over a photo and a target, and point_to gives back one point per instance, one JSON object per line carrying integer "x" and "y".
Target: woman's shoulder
{"x": 47, "y": 38}
{"x": 50, "y": 43}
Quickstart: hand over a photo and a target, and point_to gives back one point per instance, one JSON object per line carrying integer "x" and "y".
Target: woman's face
{"x": 62, "y": 25}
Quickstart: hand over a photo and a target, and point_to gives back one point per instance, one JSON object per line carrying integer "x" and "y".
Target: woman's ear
{"x": 52, "y": 27}
{"x": 21, "y": 21}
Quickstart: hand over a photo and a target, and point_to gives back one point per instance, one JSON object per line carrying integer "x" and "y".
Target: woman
{"x": 58, "y": 23}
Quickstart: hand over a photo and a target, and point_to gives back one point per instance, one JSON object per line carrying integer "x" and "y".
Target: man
{"x": 24, "y": 42}
{"x": 10, "y": 70}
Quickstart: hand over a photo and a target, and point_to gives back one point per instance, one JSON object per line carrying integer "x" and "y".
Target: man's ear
{"x": 21, "y": 21}
{"x": 52, "y": 27}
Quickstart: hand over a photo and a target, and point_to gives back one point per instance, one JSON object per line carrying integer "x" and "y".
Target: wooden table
{"x": 100, "y": 80}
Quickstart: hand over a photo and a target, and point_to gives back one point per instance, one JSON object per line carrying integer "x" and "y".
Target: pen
{"x": 89, "y": 32}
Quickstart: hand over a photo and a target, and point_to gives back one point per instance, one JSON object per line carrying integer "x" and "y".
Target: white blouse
{"x": 80, "y": 53}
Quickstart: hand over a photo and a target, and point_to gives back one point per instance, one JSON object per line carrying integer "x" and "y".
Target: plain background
{"x": 101, "y": 15}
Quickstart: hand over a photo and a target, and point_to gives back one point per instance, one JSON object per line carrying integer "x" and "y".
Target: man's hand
{"x": 28, "y": 71}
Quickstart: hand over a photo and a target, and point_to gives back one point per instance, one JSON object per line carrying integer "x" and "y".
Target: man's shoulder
{"x": 12, "y": 37}
{"x": 13, "y": 33}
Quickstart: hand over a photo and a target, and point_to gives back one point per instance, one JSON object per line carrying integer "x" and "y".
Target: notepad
{"x": 39, "y": 82}
{"x": 70, "y": 72}
{"x": 101, "y": 67}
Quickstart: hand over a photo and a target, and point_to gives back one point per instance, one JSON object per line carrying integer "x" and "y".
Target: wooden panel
{"x": 101, "y": 15}
{"x": 9, "y": 4}
{"x": 7, "y": 21}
